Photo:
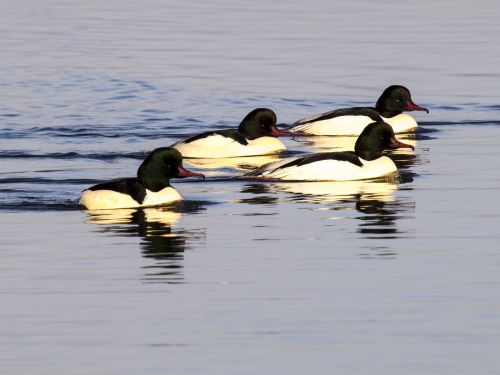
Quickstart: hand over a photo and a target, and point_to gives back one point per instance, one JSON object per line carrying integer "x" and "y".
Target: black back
{"x": 348, "y": 156}
{"x": 229, "y": 133}
{"x": 393, "y": 101}
{"x": 354, "y": 111}
{"x": 130, "y": 186}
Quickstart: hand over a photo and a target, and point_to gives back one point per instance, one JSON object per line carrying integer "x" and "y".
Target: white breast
{"x": 166, "y": 195}
{"x": 109, "y": 199}
{"x": 401, "y": 123}
{"x": 340, "y": 125}
{"x": 331, "y": 170}
{"x": 218, "y": 146}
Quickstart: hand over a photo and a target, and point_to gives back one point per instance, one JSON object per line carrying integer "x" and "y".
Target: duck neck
{"x": 245, "y": 129}
{"x": 154, "y": 185}
{"x": 385, "y": 112}
{"x": 368, "y": 155}
{"x": 152, "y": 178}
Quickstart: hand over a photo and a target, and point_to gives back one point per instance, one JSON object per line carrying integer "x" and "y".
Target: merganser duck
{"x": 364, "y": 163}
{"x": 151, "y": 187}
{"x": 256, "y": 135}
{"x": 351, "y": 121}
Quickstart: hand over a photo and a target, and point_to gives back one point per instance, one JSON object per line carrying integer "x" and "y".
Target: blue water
{"x": 386, "y": 277}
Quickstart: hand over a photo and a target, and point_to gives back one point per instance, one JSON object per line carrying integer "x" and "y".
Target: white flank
{"x": 218, "y": 146}
{"x": 109, "y": 199}
{"x": 330, "y": 170}
{"x": 166, "y": 195}
{"x": 401, "y": 123}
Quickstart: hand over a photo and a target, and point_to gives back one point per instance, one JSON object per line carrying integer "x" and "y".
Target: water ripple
{"x": 14, "y": 154}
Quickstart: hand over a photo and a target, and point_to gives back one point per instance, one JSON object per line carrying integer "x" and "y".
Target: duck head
{"x": 395, "y": 100}
{"x": 374, "y": 139}
{"x": 261, "y": 122}
{"x": 160, "y": 166}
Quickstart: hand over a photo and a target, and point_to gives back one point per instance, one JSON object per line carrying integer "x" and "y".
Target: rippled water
{"x": 386, "y": 277}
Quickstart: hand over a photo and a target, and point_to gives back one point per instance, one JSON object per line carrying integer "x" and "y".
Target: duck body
{"x": 227, "y": 144}
{"x": 351, "y": 121}
{"x": 365, "y": 162}
{"x": 326, "y": 166}
{"x": 345, "y": 121}
{"x": 151, "y": 187}
{"x": 126, "y": 193}
{"x": 256, "y": 135}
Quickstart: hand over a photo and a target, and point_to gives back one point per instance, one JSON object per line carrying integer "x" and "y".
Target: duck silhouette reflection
{"x": 379, "y": 218}
{"x": 378, "y": 209}
{"x": 335, "y": 191}
{"x": 161, "y": 240}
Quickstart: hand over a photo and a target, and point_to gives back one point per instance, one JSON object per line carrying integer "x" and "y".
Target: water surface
{"x": 385, "y": 277}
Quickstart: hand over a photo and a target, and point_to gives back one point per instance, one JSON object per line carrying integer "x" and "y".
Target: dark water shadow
{"x": 161, "y": 239}
{"x": 405, "y": 161}
{"x": 493, "y": 122}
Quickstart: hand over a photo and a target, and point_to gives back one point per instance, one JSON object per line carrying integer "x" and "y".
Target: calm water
{"x": 387, "y": 277}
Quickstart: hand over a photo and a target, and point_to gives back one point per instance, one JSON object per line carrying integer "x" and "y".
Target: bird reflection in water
{"x": 375, "y": 201}
{"x": 378, "y": 219}
{"x": 160, "y": 240}
{"x": 261, "y": 194}
{"x": 338, "y": 191}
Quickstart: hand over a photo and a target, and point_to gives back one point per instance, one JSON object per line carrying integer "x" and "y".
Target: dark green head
{"x": 374, "y": 139}
{"x": 261, "y": 122}
{"x": 160, "y": 166}
{"x": 395, "y": 100}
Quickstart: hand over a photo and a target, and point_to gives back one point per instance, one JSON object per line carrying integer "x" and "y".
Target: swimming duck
{"x": 256, "y": 135}
{"x": 365, "y": 162}
{"x": 151, "y": 187}
{"x": 351, "y": 121}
